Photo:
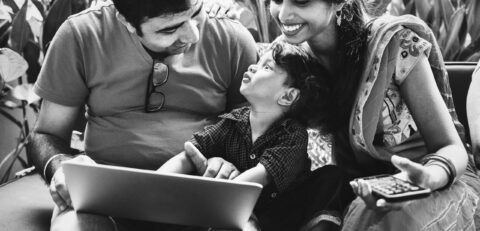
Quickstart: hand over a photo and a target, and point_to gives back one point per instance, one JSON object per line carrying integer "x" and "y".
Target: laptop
{"x": 166, "y": 198}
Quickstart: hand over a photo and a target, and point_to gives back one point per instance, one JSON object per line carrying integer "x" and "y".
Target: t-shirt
{"x": 282, "y": 149}
{"x": 95, "y": 60}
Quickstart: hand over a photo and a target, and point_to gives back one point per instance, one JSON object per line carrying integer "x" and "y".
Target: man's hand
{"x": 219, "y": 8}
{"x": 58, "y": 187}
{"x": 215, "y": 167}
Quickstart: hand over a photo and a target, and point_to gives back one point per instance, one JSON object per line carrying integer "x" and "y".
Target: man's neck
{"x": 262, "y": 119}
{"x": 156, "y": 55}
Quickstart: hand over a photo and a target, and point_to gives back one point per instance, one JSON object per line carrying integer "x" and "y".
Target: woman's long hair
{"x": 351, "y": 45}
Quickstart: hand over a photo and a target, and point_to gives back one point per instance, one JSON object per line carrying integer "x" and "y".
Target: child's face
{"x": 264, "y": 81}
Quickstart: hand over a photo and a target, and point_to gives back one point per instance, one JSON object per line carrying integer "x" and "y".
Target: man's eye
{"x": 171, "y": 31}
{"x": 267, "y": 67}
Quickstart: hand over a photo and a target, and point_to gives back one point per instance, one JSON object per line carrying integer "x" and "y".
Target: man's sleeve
{"x": 61, "y": 79}
{"x": 244, "y": 54}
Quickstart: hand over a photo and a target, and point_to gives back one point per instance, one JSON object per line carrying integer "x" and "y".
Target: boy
{"x": 267, "y": 141}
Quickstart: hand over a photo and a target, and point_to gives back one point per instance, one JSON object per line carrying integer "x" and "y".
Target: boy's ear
{"x": 288, "y": 97}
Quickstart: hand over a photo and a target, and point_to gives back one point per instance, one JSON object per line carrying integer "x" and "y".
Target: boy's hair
{"x": 307, "y": 75}
{"x": 136, "y": 12}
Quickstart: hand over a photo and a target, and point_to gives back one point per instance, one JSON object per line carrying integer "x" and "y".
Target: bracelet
{"x": 49, "y": 161}
{"x": 443, "y": 162}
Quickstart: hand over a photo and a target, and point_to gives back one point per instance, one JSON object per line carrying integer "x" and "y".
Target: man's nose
{"x": 189, "y": 33}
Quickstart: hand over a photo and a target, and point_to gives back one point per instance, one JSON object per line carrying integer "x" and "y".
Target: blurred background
{"x": 27, "y": 26}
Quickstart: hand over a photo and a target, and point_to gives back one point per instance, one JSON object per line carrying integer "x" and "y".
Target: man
{"x": 150, "y": 75}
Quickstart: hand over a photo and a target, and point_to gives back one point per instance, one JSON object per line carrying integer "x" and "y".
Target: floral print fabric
{"x": 396, "y": 123}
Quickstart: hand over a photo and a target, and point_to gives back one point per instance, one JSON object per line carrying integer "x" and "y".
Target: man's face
{"x": 172, "y": 33}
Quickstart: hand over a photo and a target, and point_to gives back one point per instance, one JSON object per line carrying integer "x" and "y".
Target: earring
{"x": 338, "y": 14}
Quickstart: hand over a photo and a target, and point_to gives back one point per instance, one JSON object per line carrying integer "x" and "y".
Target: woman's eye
{"x": 267, "y": 67}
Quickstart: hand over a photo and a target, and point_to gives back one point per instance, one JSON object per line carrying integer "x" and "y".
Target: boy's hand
{"x": 196, "y": 157}
{"x": 215, "y": 167}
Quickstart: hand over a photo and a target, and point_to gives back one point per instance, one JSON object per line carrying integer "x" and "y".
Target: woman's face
{"x": 303, "y": 20}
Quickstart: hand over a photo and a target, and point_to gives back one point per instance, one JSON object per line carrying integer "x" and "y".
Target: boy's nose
{"x": 252, "y": 68}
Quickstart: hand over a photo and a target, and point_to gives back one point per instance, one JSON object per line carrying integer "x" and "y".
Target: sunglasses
{"x": 155, "y": 99}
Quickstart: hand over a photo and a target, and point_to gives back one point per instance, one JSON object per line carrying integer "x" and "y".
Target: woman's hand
{"x": 428, "y": 177}
{"x": 219, "y": 8}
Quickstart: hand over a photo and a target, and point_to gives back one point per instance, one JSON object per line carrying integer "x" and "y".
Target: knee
{"x": 73, "y": 221}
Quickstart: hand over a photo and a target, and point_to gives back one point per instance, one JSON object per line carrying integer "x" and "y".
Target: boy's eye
{"x": 267, "y": 67}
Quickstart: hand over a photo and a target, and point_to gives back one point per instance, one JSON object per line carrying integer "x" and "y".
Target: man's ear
{"x": 288, "y": 97}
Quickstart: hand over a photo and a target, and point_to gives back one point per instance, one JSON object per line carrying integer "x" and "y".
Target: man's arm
{"x": 51, "y": 135}
{"x": 473, "y": 112}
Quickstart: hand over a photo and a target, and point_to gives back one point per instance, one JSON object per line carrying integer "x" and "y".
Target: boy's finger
{"x": 213, "y": 167}
{"x": 197, "y": 158}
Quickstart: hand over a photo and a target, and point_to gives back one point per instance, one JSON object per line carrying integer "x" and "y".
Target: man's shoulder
{"x": 94, "y": 14}
{"x": 225, "y": 29}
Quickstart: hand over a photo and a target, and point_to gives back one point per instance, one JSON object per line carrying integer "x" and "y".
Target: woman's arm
{"x": 431, "y": 115}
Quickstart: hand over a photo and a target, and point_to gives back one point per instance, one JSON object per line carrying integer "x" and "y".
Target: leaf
{"x": 12, "y": 65}
{"x": 473, "y": 19}
{"x": 5, "y": 12}
{"x": 25, "y": 92}
{"x": 470, "y": 50}
{"x": 453, "y": 42}
{"x": 21, "y": 31}
{"x": 59, "y": 12}
{"x": 447, "y": 10}
{"x": 423, "y": 8}
{"x": 397, "y": 7}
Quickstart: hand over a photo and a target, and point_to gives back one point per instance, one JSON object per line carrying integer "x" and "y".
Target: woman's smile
{"x": 291, "y": 29}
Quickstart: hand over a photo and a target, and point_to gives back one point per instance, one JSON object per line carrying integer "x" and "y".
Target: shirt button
{"x": 273, "y": 195}
{"x": 253, "y": 156}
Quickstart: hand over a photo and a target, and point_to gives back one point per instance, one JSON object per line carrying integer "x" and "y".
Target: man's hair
{"x": 307, "y": 75}
{"x": 137, "y": 11}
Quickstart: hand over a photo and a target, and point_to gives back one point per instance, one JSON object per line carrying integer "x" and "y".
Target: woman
{"x": 391, "y": 106}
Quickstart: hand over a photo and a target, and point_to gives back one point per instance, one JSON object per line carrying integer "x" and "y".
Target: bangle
{"x": 443, "y": 162}
{"x": 49, "y": 161}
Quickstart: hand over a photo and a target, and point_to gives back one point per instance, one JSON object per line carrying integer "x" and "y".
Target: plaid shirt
{"x": 282, "y": 150}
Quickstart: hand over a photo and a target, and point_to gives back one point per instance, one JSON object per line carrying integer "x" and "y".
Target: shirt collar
{"x": 241, "y": 115}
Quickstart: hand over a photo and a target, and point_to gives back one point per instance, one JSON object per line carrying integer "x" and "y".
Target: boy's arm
{"x": 257, "y": 174}
{"x": 177, "y": 164}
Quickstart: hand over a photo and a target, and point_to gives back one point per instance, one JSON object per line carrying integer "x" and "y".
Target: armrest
{"x": 25, "y": 204}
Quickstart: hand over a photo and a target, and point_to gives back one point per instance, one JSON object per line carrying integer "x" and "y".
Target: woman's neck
{"x": 324, "y": 47}
{"x": 261, "y": 120}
